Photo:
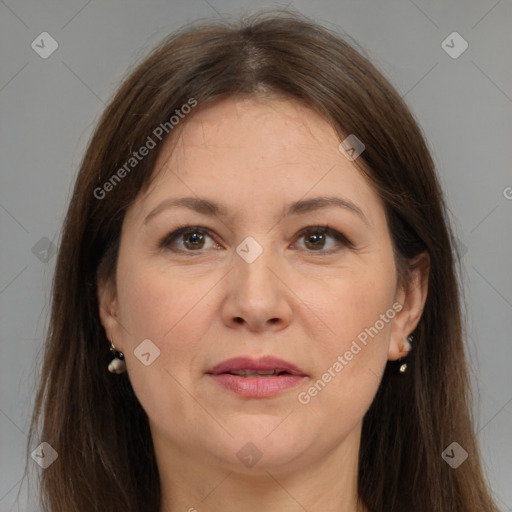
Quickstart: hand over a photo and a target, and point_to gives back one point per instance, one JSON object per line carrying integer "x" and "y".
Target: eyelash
{"x": 166, "y": 241}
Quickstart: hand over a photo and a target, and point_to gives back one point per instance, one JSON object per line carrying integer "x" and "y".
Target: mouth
{"x": 250, "y": 367}
{"x": 258, "y": 373}
{"x": 256, "y": 378}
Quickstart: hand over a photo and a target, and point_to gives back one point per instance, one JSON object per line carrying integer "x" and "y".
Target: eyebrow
{"x": 213, "y": 209}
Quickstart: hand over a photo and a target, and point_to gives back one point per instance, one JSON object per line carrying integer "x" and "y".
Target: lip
{"x": 257, "y": 387}
{"x": 265, "y": 363}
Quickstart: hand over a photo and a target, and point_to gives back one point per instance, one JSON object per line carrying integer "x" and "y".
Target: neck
{"x": 327, "y": 482}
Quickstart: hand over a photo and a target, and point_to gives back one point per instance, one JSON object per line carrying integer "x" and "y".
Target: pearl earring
{"x": 118, "y": 364}
{"x": 406, "y": 347}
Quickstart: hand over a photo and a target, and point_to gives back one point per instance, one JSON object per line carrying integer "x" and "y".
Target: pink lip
{"x": 263, "y": 363}
{"x": 256, "y": 387}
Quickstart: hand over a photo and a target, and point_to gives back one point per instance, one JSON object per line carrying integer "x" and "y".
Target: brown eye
{"x": 193, "y": 240}
{"x": 317, "y": 237}
{"x": 315, "y": 241}
{"x": 320, "y": 239}
{"x": 186, "y": 239}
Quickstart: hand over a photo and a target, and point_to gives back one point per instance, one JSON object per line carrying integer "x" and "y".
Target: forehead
{"x": 256, "y": 152}
{"x": 268, "y": 128}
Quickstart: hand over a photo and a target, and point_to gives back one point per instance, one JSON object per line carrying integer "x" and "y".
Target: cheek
{"x": 153, "y": 306}
{"x": 353, "y": 303}
{"x": 151, "y": 301}
{"x": 353, "y": 352}
{"x": 169, "y": 308}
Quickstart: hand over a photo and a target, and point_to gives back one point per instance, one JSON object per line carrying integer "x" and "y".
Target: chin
{"x": 260, "y": 444}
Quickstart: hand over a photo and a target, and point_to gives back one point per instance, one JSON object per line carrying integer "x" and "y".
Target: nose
{"x": 257, "y": 296}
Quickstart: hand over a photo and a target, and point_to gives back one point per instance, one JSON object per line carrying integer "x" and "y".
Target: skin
{"x": 255, "y": 156}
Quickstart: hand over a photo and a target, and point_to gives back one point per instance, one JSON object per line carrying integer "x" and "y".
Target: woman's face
{"x": 256, "y": 280}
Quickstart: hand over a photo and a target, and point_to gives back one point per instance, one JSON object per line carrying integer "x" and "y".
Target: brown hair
{"x": 93, "y": 419}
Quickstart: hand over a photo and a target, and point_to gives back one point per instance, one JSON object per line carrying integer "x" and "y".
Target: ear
{"x": 411, "y": 296}
{"x": 107, "y": 301}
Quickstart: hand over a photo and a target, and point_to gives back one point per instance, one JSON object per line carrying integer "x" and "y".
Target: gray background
{"x": 49, "y": 107}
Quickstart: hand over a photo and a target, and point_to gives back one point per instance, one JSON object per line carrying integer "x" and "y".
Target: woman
{"x": 257, "y": 249}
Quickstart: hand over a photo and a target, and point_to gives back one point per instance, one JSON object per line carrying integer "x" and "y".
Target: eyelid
{"x": 323, "y": 229}
{"x": 179, "y": 230}
{"x": 327, "y": 230}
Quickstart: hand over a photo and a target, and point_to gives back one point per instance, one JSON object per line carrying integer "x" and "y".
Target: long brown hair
{"x": 93, "y": 419}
